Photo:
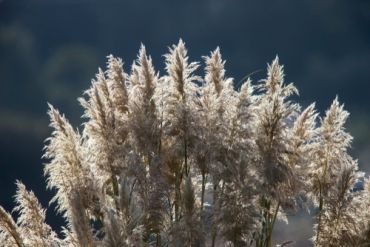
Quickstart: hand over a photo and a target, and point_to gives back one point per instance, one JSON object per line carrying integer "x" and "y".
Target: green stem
{"x": 271, "y": 226}
{"x": 203, "y": 191}
{"x": 186, "y": 156}
{"x": 321, "y": 204}
{"x": 158, "y": 242}
{"x": 214, "y": 229}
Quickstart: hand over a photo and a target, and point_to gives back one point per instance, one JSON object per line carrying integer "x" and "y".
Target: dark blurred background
{"x": 51, "y": 49}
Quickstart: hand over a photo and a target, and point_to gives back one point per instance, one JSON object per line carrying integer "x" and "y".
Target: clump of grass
{"x": 180, "y": 160}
